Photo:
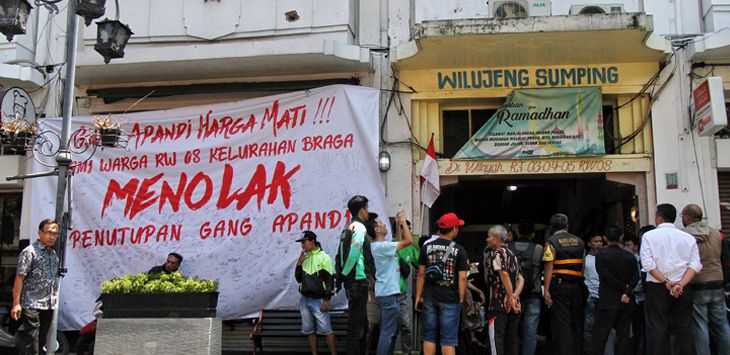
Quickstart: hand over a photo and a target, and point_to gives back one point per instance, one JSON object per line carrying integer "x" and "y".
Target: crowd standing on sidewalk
{"x": 660, "y": 292}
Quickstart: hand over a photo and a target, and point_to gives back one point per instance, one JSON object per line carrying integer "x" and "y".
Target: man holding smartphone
{"x": 314, "y": 274}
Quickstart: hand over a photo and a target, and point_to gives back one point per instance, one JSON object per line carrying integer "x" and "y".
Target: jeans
{"x": 357, "y": 322}
{"x": 589, "y": 313}
{"x": 709, "y": 311}
{"x": 530, "y": 320}
{"x": 312, "y": 315}
{"x": 441, "y": 323}
{"x": 389, "y": 317}
{"x": 406, "y": 324}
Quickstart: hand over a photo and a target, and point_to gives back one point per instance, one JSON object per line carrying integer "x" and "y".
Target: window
{"x": 10, "y": 206}
{"x": 460, "y": 125}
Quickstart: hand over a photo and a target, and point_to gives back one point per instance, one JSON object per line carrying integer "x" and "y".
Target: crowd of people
{"x": 662, "y": 290}
{"x": 659, "y": 291}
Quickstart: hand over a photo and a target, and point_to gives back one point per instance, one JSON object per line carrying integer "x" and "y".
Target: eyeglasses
{"x": 51, "y": 233}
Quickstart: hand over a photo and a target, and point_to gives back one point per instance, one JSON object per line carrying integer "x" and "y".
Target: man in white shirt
{"x": 671, "y": 259}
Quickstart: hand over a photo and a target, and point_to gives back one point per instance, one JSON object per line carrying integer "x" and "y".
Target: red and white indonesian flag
{"x": 430, "y": 188}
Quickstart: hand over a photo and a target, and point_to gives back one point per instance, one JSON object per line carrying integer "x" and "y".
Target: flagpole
{"x": 422, "y": 229}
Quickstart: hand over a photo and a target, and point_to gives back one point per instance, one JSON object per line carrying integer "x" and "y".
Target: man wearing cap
{"x": 564, "y": 289}
{"x": 314, "y": 275}
{"x": 440, "y": 297}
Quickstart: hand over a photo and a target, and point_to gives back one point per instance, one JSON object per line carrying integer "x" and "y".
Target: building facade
{"x": 444, "y": 69}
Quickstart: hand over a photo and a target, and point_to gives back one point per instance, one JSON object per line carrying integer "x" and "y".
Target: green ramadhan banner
{"x": 541, "y": 123}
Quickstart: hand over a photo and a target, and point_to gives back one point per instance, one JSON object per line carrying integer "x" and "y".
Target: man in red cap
{"x": 441, "y": 287}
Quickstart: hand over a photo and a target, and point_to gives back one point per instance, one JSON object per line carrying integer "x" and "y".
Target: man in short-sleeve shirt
{"x": 34, "y": 292}
{"x": 441, "y": 298}
{"x": 387, "y": 284}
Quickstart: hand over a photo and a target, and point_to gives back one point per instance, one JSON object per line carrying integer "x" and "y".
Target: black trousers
{"x": 502, "y": 333}
{"x": 357, "y": 322}
{"x": 663, "y": 311}
{"x": 33, "y": 331}
{"x": 606, "y": 319}
{"x": 566, "y": 315}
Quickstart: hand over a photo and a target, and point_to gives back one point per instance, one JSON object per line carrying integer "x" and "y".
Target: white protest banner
{"x": 229, "y": 186}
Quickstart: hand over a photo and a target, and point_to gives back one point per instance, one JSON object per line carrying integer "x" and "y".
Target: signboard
{"x": 15, "y": 103}
{"x": 709, "y": 106}
{"x": 541, "y": 123}
{"x": 604, "y": 164}
{"x": 228, "y": 186}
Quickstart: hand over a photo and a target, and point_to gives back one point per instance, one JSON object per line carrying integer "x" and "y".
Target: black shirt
{"x": 446, "y": 290}
{"x": 158, "y": 269}
{"x": 618, "y": 273}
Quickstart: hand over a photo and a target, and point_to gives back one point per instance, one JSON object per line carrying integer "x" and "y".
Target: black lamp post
{"x": 14, "y": 17}
{"x": 113, "y": 36}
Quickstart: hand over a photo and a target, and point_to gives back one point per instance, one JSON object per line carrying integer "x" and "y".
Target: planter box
{"x": 160, "y": 305}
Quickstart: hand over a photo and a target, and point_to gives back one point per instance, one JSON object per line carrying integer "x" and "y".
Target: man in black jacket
{"x": 618, "y": 272}
{"x": 171, "y": 265}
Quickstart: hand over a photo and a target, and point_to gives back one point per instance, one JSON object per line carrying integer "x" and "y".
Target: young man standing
{"x": 314, "y": 274}
{"x": 671, "y": 259}
{"x": 529, "y": 254}
{"x": 387, "y": 284}
{"x": 35, "y": 290}
{"x": 353, "y": 272}
{"x": 441, "y": 297}
{"x": 591, "y": 282}
{"x": 563, "y": 257}
{"x": 618, "y": 271}
{"x": 407, "y": 257}
{"x": 503, "y": 285}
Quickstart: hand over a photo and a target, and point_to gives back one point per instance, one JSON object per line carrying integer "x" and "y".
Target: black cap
{"x": 307, "y": 235}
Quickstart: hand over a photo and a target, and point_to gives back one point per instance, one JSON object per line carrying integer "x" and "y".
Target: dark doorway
{"x": 591, "y": 203}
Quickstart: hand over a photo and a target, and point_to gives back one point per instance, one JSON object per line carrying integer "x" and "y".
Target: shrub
{"x": 158, "y": 283}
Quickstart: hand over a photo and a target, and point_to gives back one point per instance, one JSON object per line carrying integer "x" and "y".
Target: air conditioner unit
{"x": 596, "y": 9}
{"x": 520, "y": 8}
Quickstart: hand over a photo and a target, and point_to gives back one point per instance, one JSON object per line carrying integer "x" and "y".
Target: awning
{"x": 227, "y": 60}
{"x": 529, "y": 41}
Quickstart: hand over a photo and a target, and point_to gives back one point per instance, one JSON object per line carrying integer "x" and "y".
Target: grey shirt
{"x": 39, "y": 265}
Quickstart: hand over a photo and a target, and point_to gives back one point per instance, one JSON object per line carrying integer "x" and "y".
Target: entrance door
{"x": 591, "y": 203}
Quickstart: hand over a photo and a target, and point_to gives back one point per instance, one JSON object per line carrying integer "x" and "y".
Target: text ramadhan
{"x": 139, "y": 195}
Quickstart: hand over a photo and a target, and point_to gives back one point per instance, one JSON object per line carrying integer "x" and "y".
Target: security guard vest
{"x": 569, "y": 251}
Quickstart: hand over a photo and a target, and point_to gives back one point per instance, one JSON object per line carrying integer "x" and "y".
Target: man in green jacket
{"x": 314, "y": 273}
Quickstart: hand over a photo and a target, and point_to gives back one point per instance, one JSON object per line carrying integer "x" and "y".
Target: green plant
{"x": 158, "y": 283}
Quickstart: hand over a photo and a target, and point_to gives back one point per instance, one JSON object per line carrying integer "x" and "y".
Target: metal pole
{"x": 63, "y": 160}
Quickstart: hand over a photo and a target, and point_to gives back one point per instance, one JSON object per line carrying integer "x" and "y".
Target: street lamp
{"x": 111, "y": 38}
{"x": 13, "y": 19}
{"x": 91, "y": 9}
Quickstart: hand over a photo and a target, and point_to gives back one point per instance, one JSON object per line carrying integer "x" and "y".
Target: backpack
{"x": 343, "y": 251}
{"x": 436, "y": 271}
{"x": 524, "y": 259}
